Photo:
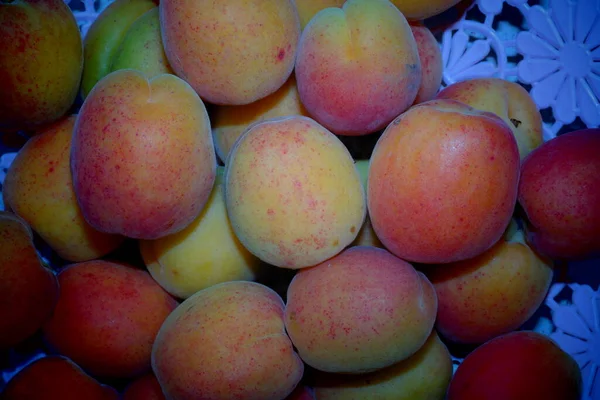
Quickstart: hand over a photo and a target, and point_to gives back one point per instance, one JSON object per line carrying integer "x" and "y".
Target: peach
{"x": 425, "y": 375}
{"x": 419, "y": 9}
{"x": 359, "y": 311}
{"x": 227, "y": 342}
{"x": 430, "y": 56}
{"x": 55, "y": 378}
{"x": 231, "y": 55}
{"x": 38, "y": 187}
{"x": 308, "y": 8}
{"x": 103, "y": 39}
{"x": 28, "y": 290}
{"x": 517, "y": 366}
{"x": 357, "y": 66}
{"x": 205, "y": 253}
{"x": 107, "y": 317}
{"x": 40, "y": 62}
{"x": 366, "y": 234}
{"x": 492, "y": 294}
{"x": 142, "y": 156}
{"x": 229, "y": 122}
{"x": 145, "y": 387}
{"x": 559, "y": 192}
{"x": 292, "y": 192}
{"x": 509, "y": 100}
{"x": 443, "y": 182}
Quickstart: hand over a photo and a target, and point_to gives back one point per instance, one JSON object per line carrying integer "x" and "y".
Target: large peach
{"x": 227, "y": 342}
{"x": 419, "y": 9}
{"x": 308, "y": 8}
{"x": 205, "y": 253}
{"x": 40, "y": 62}
{"x": 55, "y": 378}
{"x": 430, "y": 56}
{"x": 492, "y": 294}
{"x": 517, "y": 366}
{"x": 424, "y": 376}
{"x": 359, "y": 311}
{"x": 443, "y": 182}
{"x": 234, "y": 54}
{"x": 509, "y": 100}
{"x": 38, "y": 187}
{"x": 293, "y": 194}
{"x": 142, "y": 155}
{"x": 560, "y": 195}
{"x": 229, "y": 122}
{"x": 107, "y": 317}
{"x": 28, "y": 290}
{"x": 357, "y": 66}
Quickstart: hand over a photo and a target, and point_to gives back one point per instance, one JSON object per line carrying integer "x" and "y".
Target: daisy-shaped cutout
{"x": 561, "y": 58}
{"x": 578, "y": 333}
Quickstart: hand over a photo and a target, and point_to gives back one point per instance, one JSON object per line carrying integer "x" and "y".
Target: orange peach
{"x": 107, "y": 317}
{"x": 229, "y": 122}
{"x": 430, "y": 56}
{"x": 492, "y": 294}
{"x": 55, "y": 378}
{"x": 142, "y": 156}
{"x": 40, "y": 62}
{"x": 234, "y": 54}
{"x": 227, "y": 342}
{"x": 308, "y": 8}
{"x": 292, "y": 192}
{"x": 357, "y": 66}
{"x": 509, "y": 100}
{"x": 28, "y": 290}
{"x": 359, "y": 311}
{"x": 38, "y": 187}
{"x": 517, "y": 366}
{"x": 559, "y": 192}
{"x": 443, "y": 182}
{"x": 145, "y": 387}
{"x": 419, "y": 9}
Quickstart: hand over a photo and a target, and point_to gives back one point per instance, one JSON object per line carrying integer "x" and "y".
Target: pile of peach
{"x": 193, "y": 167}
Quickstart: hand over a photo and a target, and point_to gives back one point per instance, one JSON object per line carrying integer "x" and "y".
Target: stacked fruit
{"x": 268, "y": 199}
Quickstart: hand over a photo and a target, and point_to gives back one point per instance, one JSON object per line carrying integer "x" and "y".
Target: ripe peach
{"x": 308, "y": 8}
{"x": 142, "y": 156}
{"x": 38, "y": 187}
{"x": 293, "y": 194}
{"x": 560, "y": 194}
{"x": 145, "y": 387}
{"x": 359, "y": 311}
{"x": 509, "y": 100}
{"x": 107, "y": 317}
{"x": 234, "y": 54}
{"x": 443, "y": 182}
{"x": 430, "y": 56}
{"x": 517, "y": 366}
{"x": 227, "y": 342}
{"x": 357, "y": 66}
{"x": 55, "y": 378}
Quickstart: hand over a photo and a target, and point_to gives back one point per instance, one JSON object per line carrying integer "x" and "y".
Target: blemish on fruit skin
{"x": 281, "y": 55}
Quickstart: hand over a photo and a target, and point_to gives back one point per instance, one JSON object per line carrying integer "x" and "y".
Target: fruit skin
{"x": 107, "y": 317}
{"x": 227, "y": 342}
{"x": 432, "y": 67}
{"x": 292, "y": 192}
{"x": 145, "y": 387}
{"x": 518, "y": 366}
{"x": 102, "y": 41}
{"x": 443, "y": 182}
{"x": 424, "y": 376}
{"x": 509, "y": 100}
{"x": 419, "y": 9}
{"x": 205, "y": 253}
{"x": 359, "y": 311}
{"x": 309, "y": 8}
{"x": 492, "y": 294}
{"x": 38, "y": 187}
{"x": 336, "y": 50}
{"x": 142, "y": 156}
{"x": 366, "y": 235}
{"x": 28, "y": 290}
{"x": 231, "y": 55}
{"x": 40, "y": 62}
{"x": 55, "y": 378}
{"x": 559, "y": 192}
{"x": 229, "y": 122}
